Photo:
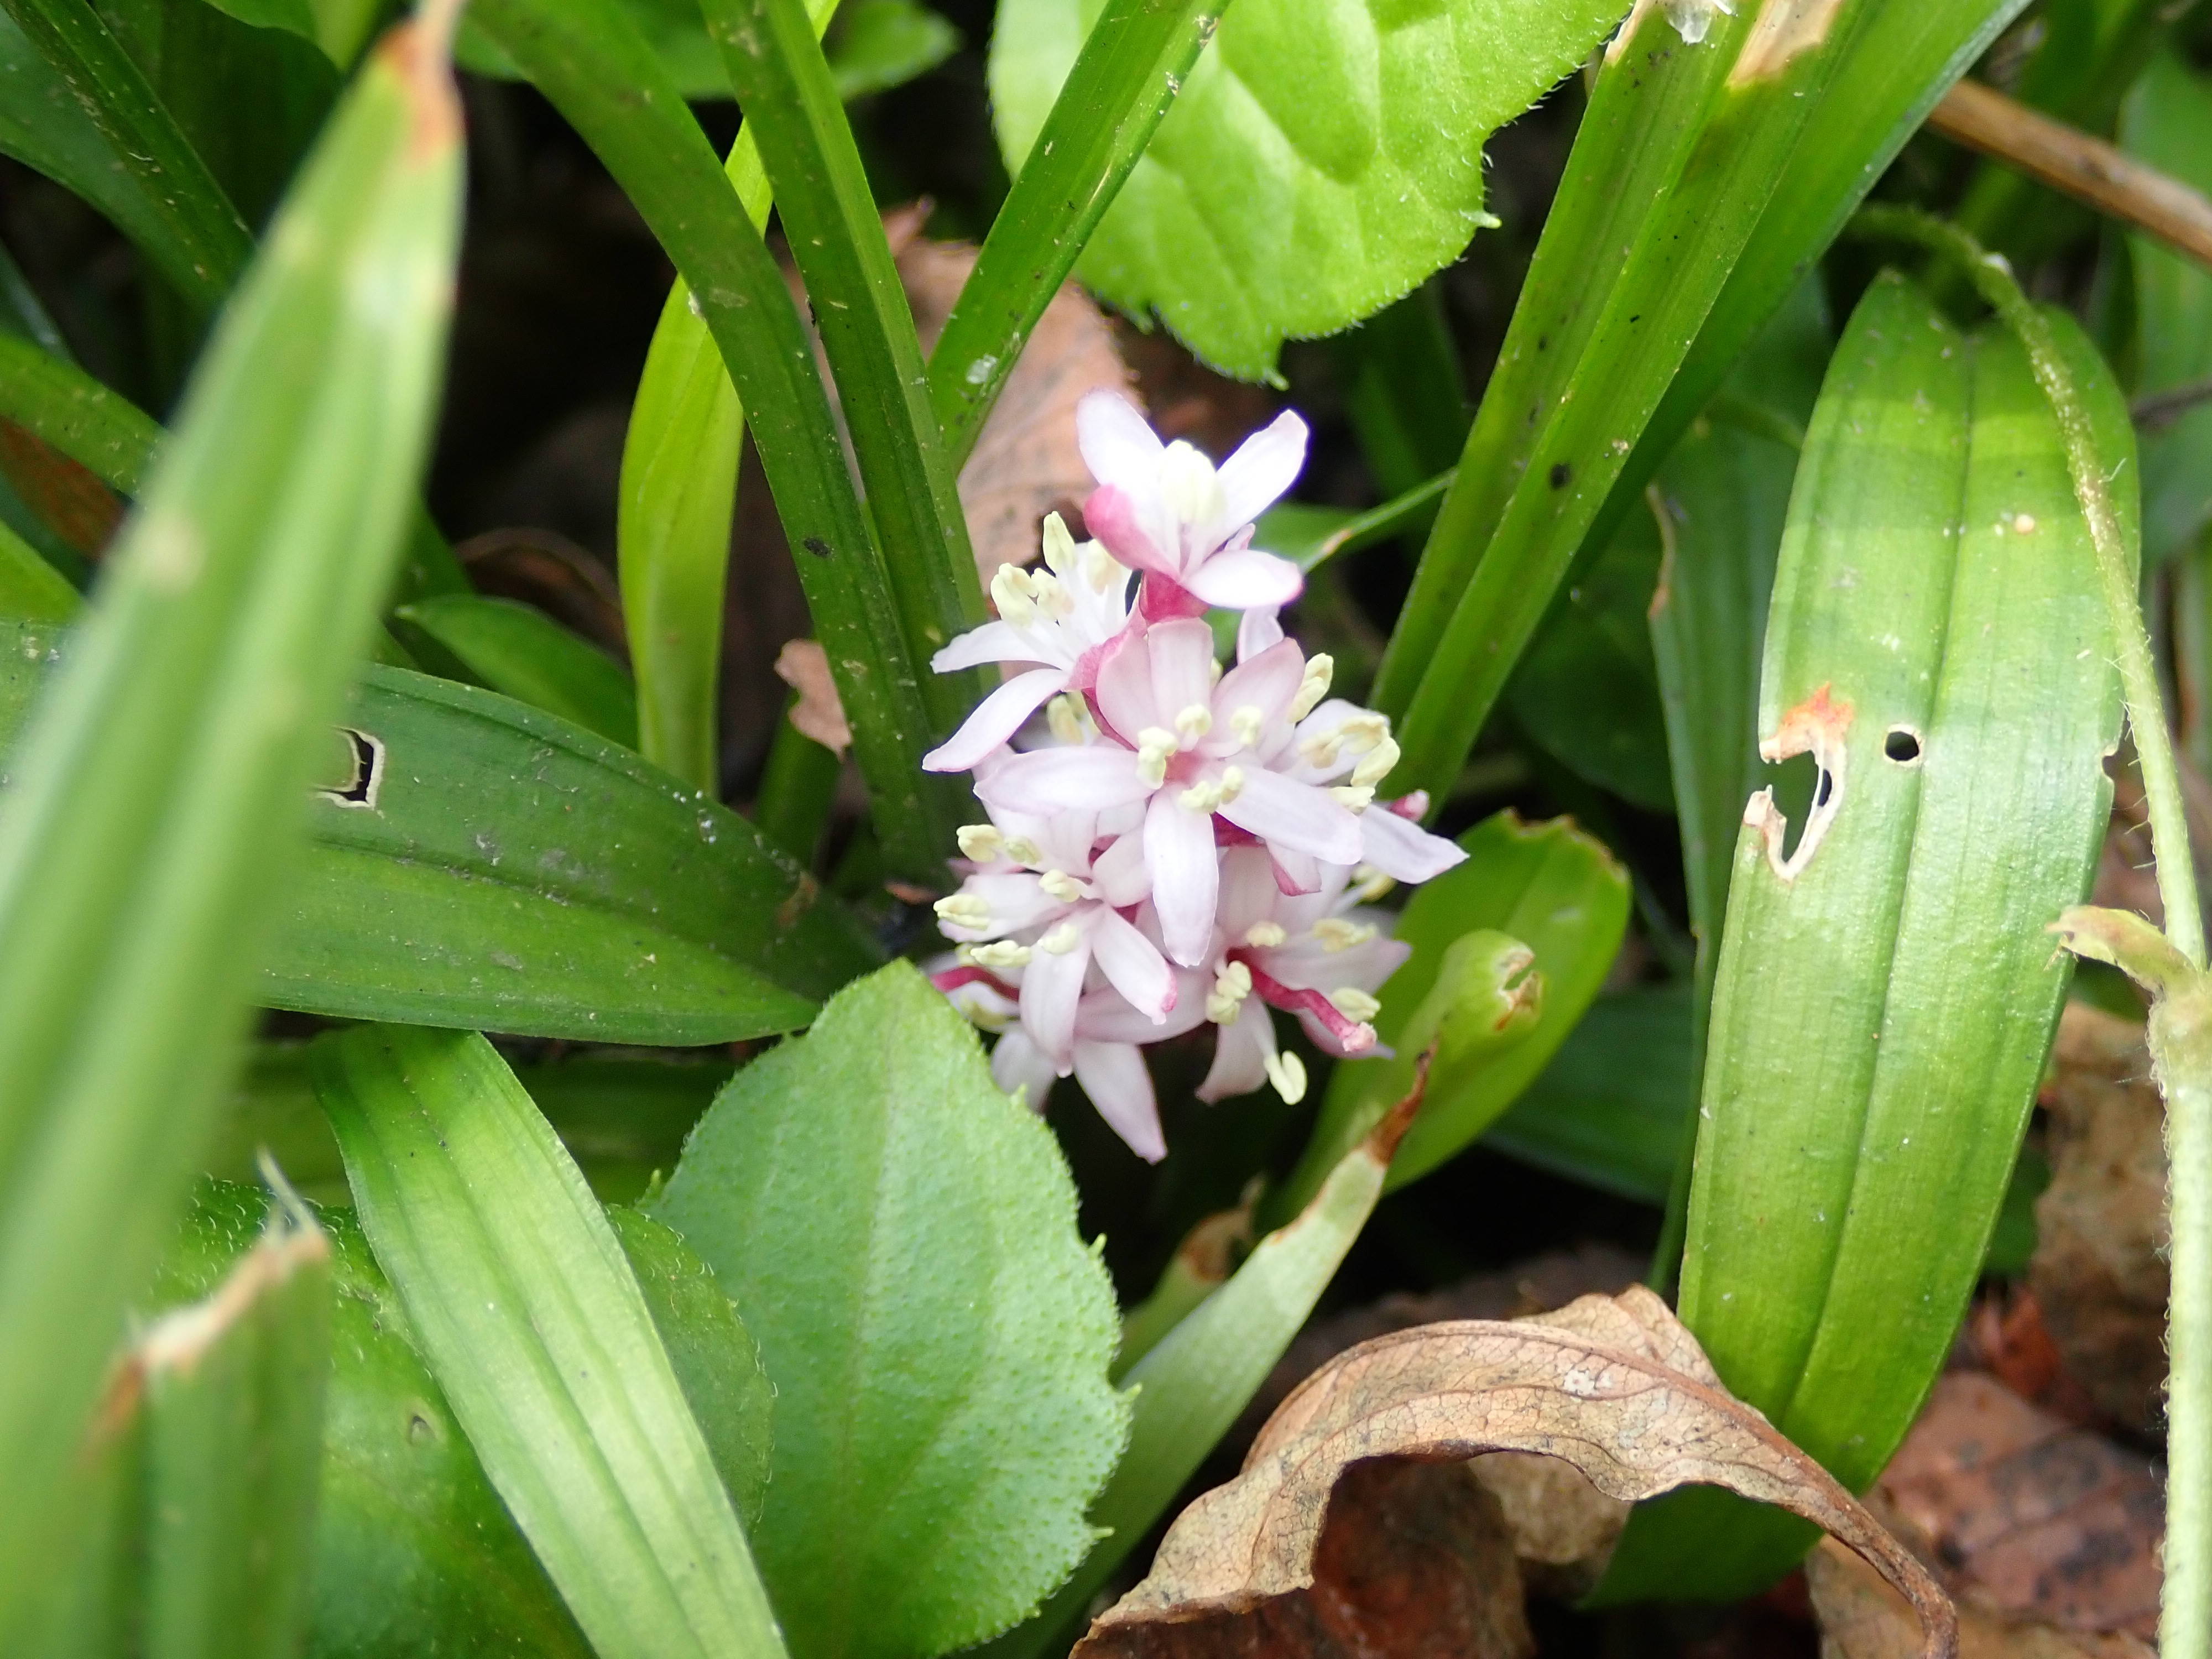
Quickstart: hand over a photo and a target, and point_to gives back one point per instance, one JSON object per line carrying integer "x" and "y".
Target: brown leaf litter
{"x": 1616, "y": 1387}
{"x": 2099, "y": 1273}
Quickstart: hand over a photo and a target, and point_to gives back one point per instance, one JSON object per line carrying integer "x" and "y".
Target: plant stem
{"x": 2179, "y": 1022}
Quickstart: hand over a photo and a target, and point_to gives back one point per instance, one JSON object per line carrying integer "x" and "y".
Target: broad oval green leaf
{"x": 901, "y": 1238}
{"x": 1322, "y": 158}
{"x": 521, "y": 1297}
{"x": 1885, "y": 990}
{"x": 478, "y": 864}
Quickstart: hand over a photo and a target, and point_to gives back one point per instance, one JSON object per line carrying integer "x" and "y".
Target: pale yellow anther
{"x": 1247, "y": 724}
{"x": 1061, "y": 939}
{"x": 1213, "y": 673}
{"x": 1336, "y": 934}
{"x": 1064, "y": 715}
{"x": 1320, "y": 671}
{"x": 1265, "y": 935}
{"x": 1231, "y": 985}
{"x": 1051, "y": 599}
{"x": 1288, "y": 1073}
{"x": 1353, "y": 1003}
{"x": 1368, "y": 883}
{"x": 1153, "y": 748}
{"x": 984, "y": 843}
{"x": 1022, "y": 850}
{"x": 1193, "y": 722}
{"x": 1010, "y": 591}
{"x": 967, "y": 910}
{"x": 1378, "y": 763}
{"x": 999, "y": 953}
{"x": 1062, "y": 885}
{"x": 1204, "y": 796}
{"x": 1364, "y": 730}
{"x": 1321, "y": 750}
{"x": 1356, "y": 796}
{"x": 1232, "y": 783}
{"x": 1100, "y": 567}
{"x": 1059, "y": 545}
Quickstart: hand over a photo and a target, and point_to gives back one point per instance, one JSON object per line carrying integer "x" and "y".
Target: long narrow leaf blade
{"x": 532, "y": 1320}
{"x": 592, "y": 60}
{"x": 157, "y": 797}
{"x": 1133, "y": 63}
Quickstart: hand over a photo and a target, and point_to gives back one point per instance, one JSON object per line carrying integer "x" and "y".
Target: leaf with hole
{"x": 1885, "y": 992}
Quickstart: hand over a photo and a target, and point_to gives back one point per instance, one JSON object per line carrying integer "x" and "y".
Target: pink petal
{"x": 1016, "y": 1065}
{"x": 1117, "y": 445}
{"x": 1162, "y": 598}
{"x": 1052, "y": 984}
{"x": 995, "y": 719}
{"x": 1296, "y": 873}
{"x": 1186, "y": 876}
{"x": 1405, "y": 851}
{"x": 1113, "y": 1074}
{"x": 1248, "y": 890}
{"x": 1266, "y": 682}
{"x": 1132, "y": 965}
{"x": 1299, "y": 816}
{"x": 1110, "y": 514}
{"x": 1124, "y": 691}
{"x": 1245, "y": 578}
{"x": 1182, "y": 655}
{"x": 1256, "y": 630}
{"x": 1240, "y": 1053}
{"x": 1046, "y": 781}
{"x": 1105, "y": 1016}
{"x": 1265, "y": 465}
{"x": 1016, "y": 898}
{"x": 994, "y": 641}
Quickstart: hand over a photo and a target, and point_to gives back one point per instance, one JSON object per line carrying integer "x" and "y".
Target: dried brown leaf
{"x": 2099, "y": 1272}
{"x": 2029, "y": 1515}
{"x": 1025, "y": 463}
{"x": 1615, "y": 1386}
{"x": 79, "y": 508}
{"x": 804, "y": 665}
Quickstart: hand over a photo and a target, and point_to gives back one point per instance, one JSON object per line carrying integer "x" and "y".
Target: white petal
{"x": 995, "y": 719}
{"x": 1401, "y": 848}
{"x": 1124, "y": 687}
{"x": 994, "y": 641}
{"x": 1186, "y": 877}
{"x": 1117, "y": 446}
{"x": 1052, "y": 985}
{"x": 1248, "y": 894}
{"x": 1266, "y": 682}
{"x": 1240, "y": 1053}
{"x": 1105, "y": 1016}
{"x": 1244, "y": 578}
{"x": 1086, "y": 779}
{"x": 1297, "y": 816}
{"x": 1017, "y": 1064}
{"x": 1295, "y": 872}
{"x": 1119, "y": 874}
{"x": 1182, "y": 655}
{"x": 1133, "y": 964}
{"x": 1113, "y": 1074}
{"x": 1113, "y": 515}
{"x": 1257, "y": 629}
{"x": 1017, "y": 900}
{"x": 1265, "y": 465}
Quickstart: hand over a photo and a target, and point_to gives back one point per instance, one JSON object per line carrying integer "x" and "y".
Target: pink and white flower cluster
{"x": 1172, "y": 845}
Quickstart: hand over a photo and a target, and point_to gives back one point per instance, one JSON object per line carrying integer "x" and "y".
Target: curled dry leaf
{"x": 1025, "y": 463}
{"x": 804, "y": 665}
{"x": 2098, "y": 1272}
{"x": 1614, "y": 1385}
